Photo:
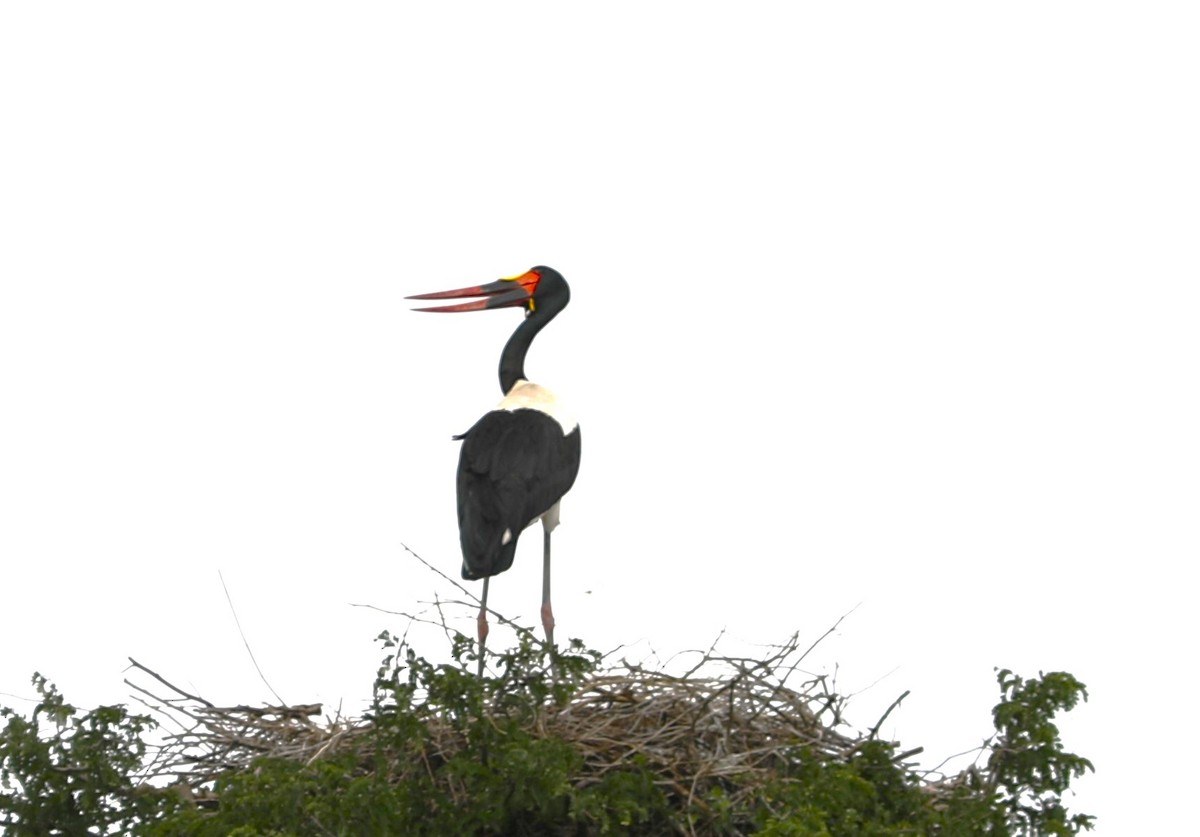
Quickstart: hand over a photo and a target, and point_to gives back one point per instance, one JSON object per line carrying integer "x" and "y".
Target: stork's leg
{"x": 547, "y": 613}
{"x": 482, "y": 624}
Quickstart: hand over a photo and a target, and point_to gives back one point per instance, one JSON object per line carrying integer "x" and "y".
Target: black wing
{"x": 513, "y": 467}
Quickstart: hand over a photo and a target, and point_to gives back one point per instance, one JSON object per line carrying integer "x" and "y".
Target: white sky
{"x": 879, "y": 305}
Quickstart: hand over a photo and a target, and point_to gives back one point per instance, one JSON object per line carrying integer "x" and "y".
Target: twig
{"x": 246, "y": 642}
{"x": 895, "y": 703}
{"x": 166, "y": 683}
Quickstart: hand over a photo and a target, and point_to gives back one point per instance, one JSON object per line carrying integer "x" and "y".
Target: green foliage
{"x": 447, "y": 752}
{"x": 1028, "y": 764}
{"x": 61, "y": 773}
{"x": 867, "y": 795}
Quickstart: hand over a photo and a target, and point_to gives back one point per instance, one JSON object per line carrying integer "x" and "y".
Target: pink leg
{"x": 482, "y": 624}
{"x": 548, "y": 622}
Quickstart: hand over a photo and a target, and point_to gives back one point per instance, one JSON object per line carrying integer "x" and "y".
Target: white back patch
{"x": 551, "y": 516}
{"x": 527, "y": 396}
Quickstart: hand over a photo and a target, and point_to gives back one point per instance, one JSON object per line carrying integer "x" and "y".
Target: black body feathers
{"x": 513, "y": 467}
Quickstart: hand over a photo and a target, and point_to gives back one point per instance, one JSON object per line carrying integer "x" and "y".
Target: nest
{"x": 727, "y": 721}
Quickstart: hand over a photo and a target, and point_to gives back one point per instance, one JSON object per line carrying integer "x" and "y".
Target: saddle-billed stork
{"x": 518, "y": 461}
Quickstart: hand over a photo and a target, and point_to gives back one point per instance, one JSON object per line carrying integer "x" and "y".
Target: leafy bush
{"x": 61, "y": 773}
{"x": 443, "y": 751}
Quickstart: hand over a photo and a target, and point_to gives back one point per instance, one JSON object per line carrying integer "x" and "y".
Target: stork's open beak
{"x": 503, "y": 293}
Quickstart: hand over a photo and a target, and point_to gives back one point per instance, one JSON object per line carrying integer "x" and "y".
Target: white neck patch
{"x": 527, "y": 396}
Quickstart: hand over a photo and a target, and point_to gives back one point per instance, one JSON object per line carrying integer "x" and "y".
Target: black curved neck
{"x": 512, "y": 359}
